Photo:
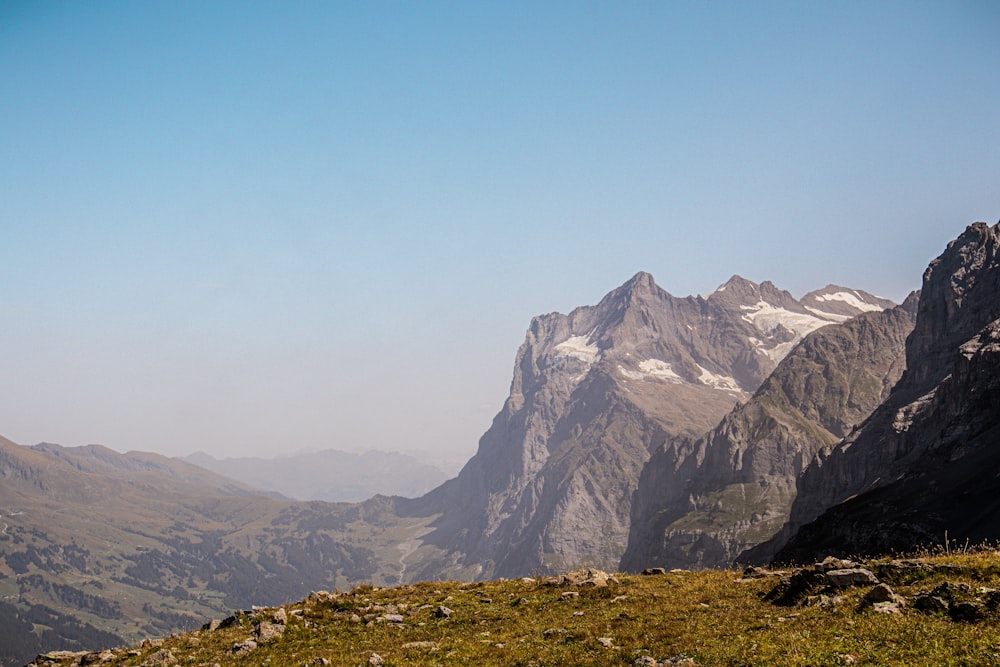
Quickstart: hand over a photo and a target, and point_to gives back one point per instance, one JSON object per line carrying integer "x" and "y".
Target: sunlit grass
{"x": 712, "y": 617}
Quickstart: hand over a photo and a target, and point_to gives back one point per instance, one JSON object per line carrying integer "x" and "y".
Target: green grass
{"x": 714, "y": 617}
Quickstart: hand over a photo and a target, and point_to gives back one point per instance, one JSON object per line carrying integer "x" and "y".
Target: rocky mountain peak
{"x": 737, "y": 288}
{"x": 958, "y": 298}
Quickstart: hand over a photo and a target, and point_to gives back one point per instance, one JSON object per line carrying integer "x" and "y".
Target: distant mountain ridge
{"x": 330, "y": 475}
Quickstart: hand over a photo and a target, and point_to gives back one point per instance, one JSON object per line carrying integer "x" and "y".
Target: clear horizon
{"x": 255, "y": 228}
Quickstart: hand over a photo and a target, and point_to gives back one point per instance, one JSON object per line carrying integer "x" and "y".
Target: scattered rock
{"x": 831, "y": 563}
{"x": 280, "y": 616}
{"x": 887, "y": 608}
{"x": 883, "y": 600}
{"x": 162, "y": 658}
{"x": 227, "y": 622}
{"x": 649, "y": 571}
{"x": 853, "y": 576}
{"x": 619, "y": 598}
{"x": 930, "y": 603}
{"x": 265, "y": 631}
{"x": 569, "y": 595}
{"x": 322, "y": 662}
{"x": 391, "y": 618}
{"x": 606, "y": 642}
{"x": 375, "y": 659}
{"x": 244, "y": 647}
{"x": 443, "y": 612}
{"x": 553, "y": 632}
{"x": 751, "y": 572}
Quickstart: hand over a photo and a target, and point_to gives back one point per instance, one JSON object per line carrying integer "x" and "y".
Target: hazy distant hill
{"x": 330, "y": 475}
{"x": 98, "y": 548}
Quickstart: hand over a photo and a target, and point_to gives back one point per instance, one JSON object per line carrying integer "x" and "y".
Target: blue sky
{"x": 251, "y": 228}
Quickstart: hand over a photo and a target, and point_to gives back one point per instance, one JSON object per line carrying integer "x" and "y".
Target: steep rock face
{"x": 593, "y": 392}
{"x": 702, "y": 502}
{"x": 932, "y": 447}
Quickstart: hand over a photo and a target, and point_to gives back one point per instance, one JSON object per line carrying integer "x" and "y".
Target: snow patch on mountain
{"x": 652, "y": 368}
{"x": 833, "y": 317}
{"x": 851, "y": 299}
{"x": 580, "y": 348}
{"x": 767, "y": 317}
{"x": 723, "y": 382}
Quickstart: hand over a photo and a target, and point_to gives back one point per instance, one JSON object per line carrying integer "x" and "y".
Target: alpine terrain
{"x": 703, "y": 501}
{"x": 594, "y": 392}
{"x": 925, "y": 467}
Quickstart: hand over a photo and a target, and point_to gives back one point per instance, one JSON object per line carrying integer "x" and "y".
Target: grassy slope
{"x": 714, "y": 617}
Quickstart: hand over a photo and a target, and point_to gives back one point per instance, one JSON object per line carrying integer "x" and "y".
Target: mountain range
{"x": 329, "y": 474}
{"x": 645, "y": 431}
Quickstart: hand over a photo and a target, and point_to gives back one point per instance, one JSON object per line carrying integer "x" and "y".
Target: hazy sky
{"x": 250, "y": 228}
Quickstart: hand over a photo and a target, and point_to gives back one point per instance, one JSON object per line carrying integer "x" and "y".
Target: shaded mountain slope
{"x": 701, "y": 502}
{"x": 926, "y": 461}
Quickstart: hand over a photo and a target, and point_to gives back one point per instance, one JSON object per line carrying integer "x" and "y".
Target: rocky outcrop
{"x": 702, "y": 502}
{"x": 924, "y": 465}
{"x": 593, "y": 392}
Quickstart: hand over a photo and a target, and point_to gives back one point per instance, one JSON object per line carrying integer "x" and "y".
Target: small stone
{"x": 646, "y": 661}
{"x": 855, "y": 576}
{"x": 653, "y": 571}
{"x": 486, "y": 600}
{"x": 929, "y": 603}
{"x": 831, "y": 563}
{"x": 266, "y": 631}
{"x": 322, "y": 662}
{"x": 443, "y": 612}
{"x": 391, "y": 618}
{"x": 578, "y": 613}
{"x": 886, "y": 608}
{"x": 244, "y": 647}
{"x": 883, "y": 594}
{"x": 569, "y": 595}
{"x": 280, "y": 616}
{"x": 619, "y": 598}
{"x": 162, "y": 658}
{"x": 375, "y": 659}
{"x": 606, "y": 642}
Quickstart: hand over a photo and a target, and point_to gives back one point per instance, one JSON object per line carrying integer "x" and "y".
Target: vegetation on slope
{"x": 948, "y": 616}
